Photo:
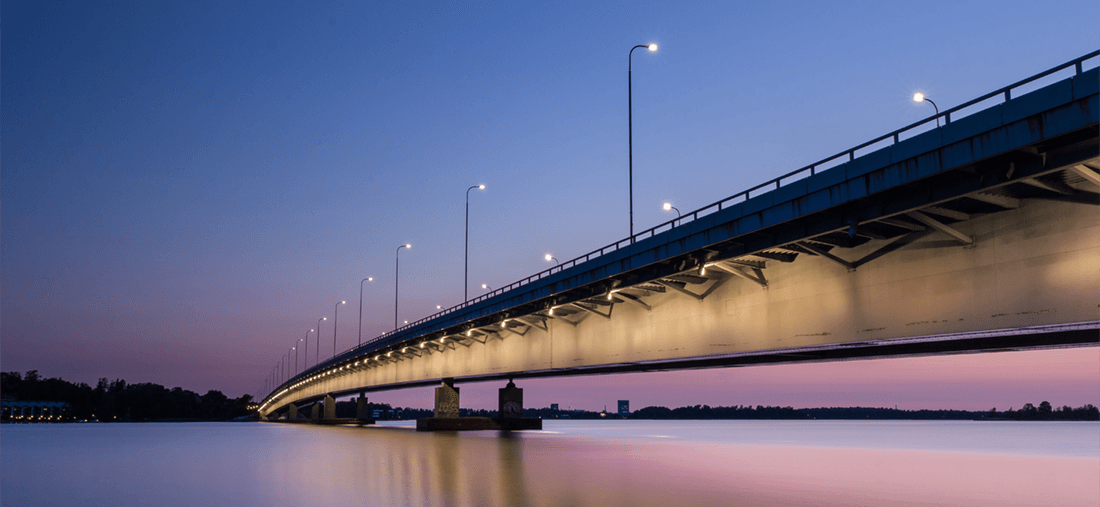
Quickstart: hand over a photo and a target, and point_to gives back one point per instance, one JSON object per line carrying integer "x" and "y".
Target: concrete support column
{"x": 510, "y": 401}
{"x": 446, "y": 400}
{"x": 362, "y": 410}
{"x": 330, "y": 407}
{"x": 316, "y": 412}
{"x": 293, "y": 414}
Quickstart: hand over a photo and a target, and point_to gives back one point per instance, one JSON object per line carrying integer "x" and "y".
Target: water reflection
{"x": 627, "y": 463}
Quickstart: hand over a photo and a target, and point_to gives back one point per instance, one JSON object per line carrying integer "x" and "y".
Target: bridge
{"x": 978, "y": 235}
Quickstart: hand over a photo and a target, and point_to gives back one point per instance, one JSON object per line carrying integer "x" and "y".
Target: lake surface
{"x": 569, "y": 463}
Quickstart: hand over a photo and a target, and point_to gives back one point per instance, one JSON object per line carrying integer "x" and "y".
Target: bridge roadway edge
{"x": 1061, "y": 119}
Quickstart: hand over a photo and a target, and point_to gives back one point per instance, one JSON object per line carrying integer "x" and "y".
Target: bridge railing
{"x": 773, "y": 184}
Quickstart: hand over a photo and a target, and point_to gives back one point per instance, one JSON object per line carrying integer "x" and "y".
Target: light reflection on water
{"x": 628, "y": 463}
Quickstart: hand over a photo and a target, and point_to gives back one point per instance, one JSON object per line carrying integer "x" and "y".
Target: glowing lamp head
{"x": 548, "y": 257}
{"x": 667, "y": 206}
{"x": 481, "y": 187}
{"x": 438, "y": 307}
{"x": 343, "y": 302}
{"x": 370, "y": 278}
{"x": 483, "y": 286}
{"x": 407, "y": 245}
{"x": 918, "y": 97}
{"x": 324, "y": 318}
{"x": 652, "y": 47}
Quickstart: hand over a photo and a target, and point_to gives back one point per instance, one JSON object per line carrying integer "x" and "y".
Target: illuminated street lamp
{"x": 919, "y": 97}
{"x": 335, "y": 321}
{"x": 396, "y": 280}
{"x": 317, "y": 360}
{"x": 669, "y": 207}
{"x": 367, "y": 279}
{"x": 466, "y": 266}
{"x": 296, "y": 356}
{"x": 305, "y": 351}
{"x": 550, "y": 258}
{"x": 485, "y": 287}
{"x": 630, "y": 125}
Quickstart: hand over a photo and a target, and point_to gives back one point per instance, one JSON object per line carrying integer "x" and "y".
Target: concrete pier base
{"x": 510, "y": 401}
{"x": 447, "y": 419}
{"x": 315, "y": 413}
{"x": 362, "y": 409}
{"x": 330, "y": 407}
{"x": 292, "y": 415}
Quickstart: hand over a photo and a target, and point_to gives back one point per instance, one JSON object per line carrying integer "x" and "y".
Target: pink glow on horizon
{"x": 999, "y": 380}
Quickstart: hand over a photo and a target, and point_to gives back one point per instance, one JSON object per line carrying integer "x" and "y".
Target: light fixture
{"x": 919, "y": 97}
{"x": 652, "y": 47}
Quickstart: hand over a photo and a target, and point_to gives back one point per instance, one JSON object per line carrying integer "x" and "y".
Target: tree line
{"x": 1028, "y": 413}
{"x": 118, "y": 401}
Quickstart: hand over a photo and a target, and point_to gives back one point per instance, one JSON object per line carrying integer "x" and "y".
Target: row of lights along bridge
{"x": 281, "y": 372}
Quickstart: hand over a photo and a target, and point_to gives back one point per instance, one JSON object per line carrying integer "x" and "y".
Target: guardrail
{"x": 773, "y": 184}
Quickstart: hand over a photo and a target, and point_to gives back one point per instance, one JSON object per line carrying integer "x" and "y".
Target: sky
{"x": 186, "y": 187}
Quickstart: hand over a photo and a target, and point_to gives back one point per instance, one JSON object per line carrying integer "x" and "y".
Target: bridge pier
{"x": 509, "y": 415}
{"x": 362, "y": 410}
{"x": 293, "y": 414}
{"x": 330, "y": 407}
{"x": 315, "y": 413}
{"x": 510, "y": 401}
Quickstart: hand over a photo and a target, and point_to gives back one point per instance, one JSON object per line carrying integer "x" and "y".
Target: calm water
{"x": 617, "y": 463}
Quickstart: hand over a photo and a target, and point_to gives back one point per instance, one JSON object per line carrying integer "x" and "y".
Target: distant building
{"x": 553, "y": 406}
{"x": 624, "y": 407}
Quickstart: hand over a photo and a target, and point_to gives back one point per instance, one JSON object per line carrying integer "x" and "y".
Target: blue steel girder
{"x": 1028, "y": 137}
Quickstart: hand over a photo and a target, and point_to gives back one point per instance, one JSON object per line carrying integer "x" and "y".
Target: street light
{"x": 397, "y": 275}
{"x": 335, "y": 321}
{"x": 288, "y": 355}
{"x": 367, "y": 279}
{"x": 317, "y": 360}
{"x": 630, "y": 125}
{"x": 668, "y": 207}
{"x": 485, "y": 287}
{"x": 919, "y": 97}
{"x": 296, "y": 356}
{"x": 305, "y": 351}
{"x": 550, "y": 258}
{"x": 466, "y": 266}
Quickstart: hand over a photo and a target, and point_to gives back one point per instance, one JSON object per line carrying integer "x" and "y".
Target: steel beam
{"x": 935, "y": 224}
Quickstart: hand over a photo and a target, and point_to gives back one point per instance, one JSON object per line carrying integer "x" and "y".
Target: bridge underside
{"x": 1000, "y": 253}
{"x": 1013, "y": 268}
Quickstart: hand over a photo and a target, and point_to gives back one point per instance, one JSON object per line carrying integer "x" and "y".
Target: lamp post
{"x": 305, "y": 352}
{"x": 397, "y": 275}
{"x": 550, "y": 258}
{"x": 335, "y": 321}
{"x": 367, "y": 279}
{"x": 630, "y": 125}
{"x": 466, "y": 265}
{"x": 919, "y": 97}
{"x": 668, "y": 207}
{"x": 317, "y": 348}
{"x": 296, "y": 356}
{"x": 486, "y": 287}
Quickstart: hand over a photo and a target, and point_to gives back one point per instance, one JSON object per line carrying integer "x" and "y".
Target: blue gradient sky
{"x": 186, "y": 187}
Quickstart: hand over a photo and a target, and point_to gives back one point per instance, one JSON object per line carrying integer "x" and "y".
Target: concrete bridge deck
{"x": 979, "y": 235}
